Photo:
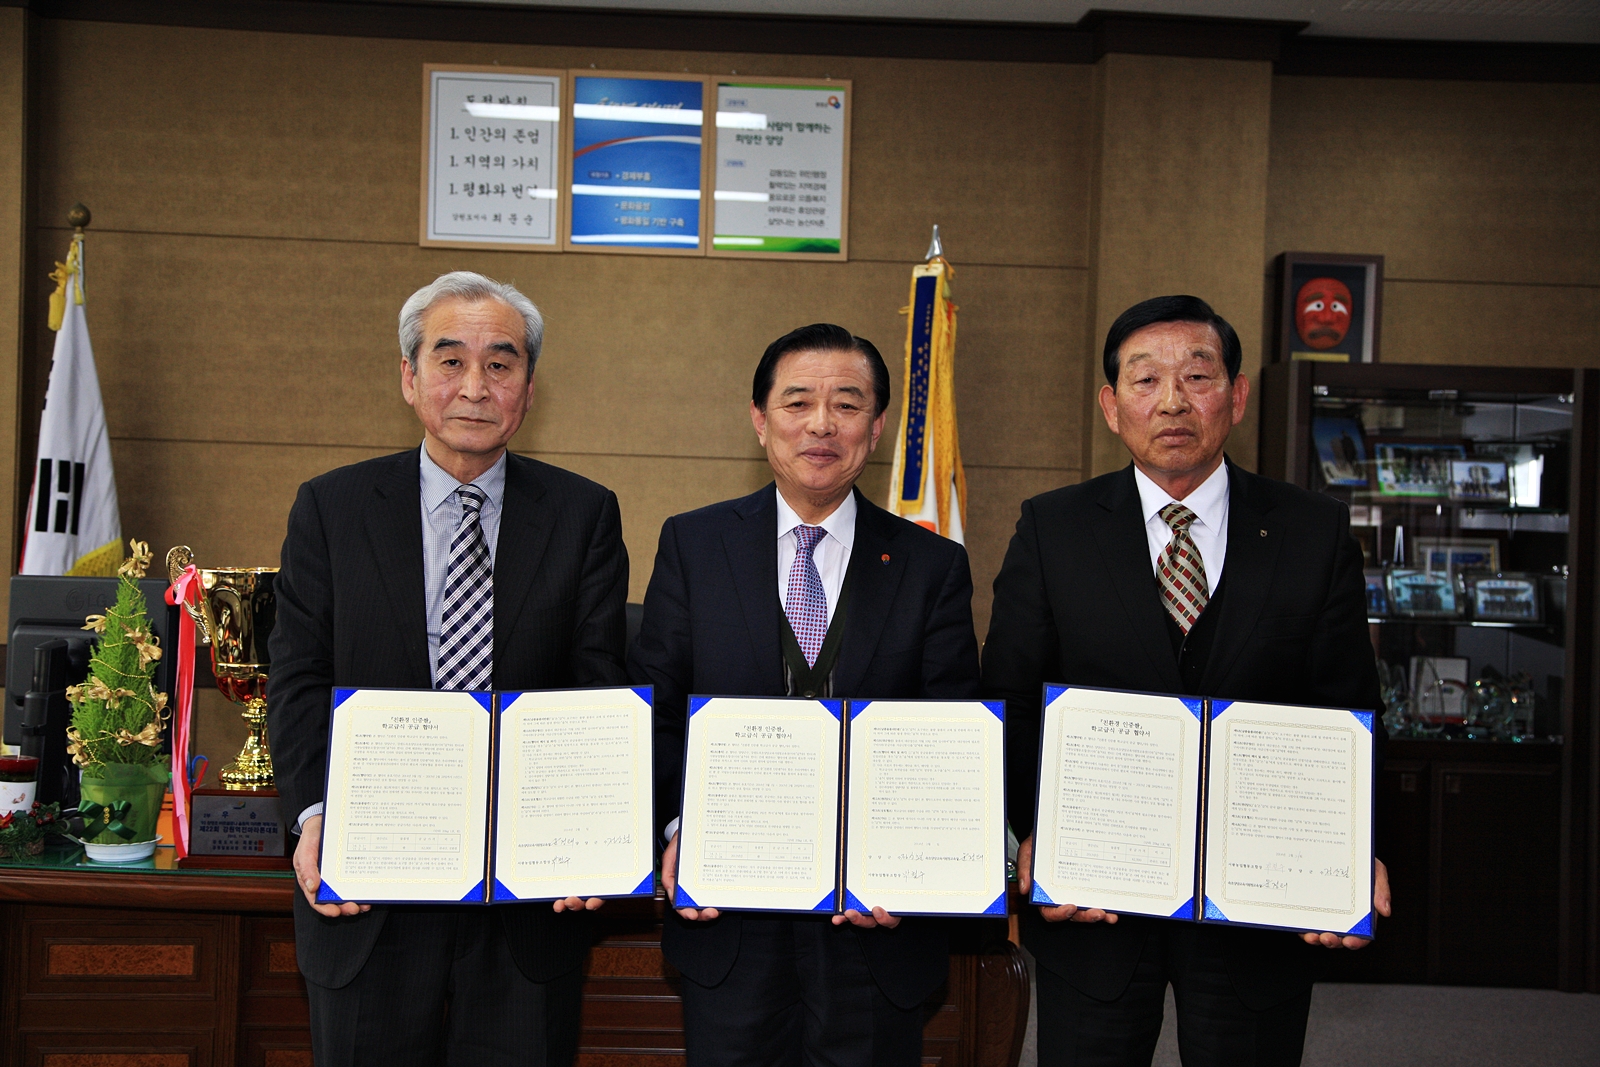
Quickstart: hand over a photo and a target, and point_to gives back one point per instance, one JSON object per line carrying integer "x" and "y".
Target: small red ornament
{"x": 886, "y": 557}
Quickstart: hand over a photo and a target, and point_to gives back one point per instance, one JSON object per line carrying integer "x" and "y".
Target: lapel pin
{"x": 886, "y": 559}
{"x": 1263, "y": 533}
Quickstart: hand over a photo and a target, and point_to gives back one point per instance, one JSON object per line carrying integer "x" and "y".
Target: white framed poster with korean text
{"x": 781, "y": 172}
{"x": 637, "y": 159}
{"x": 491, "y": 159}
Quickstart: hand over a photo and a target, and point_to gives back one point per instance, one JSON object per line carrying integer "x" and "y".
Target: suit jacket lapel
{"x": 874, "y": 573}
{"x": 394, "y": 529}
{"x": 525, "y": 529}
{"x": 1254, "y": 539}
{"x": 751, "y": 545}
{"x": 1124, "y": 547}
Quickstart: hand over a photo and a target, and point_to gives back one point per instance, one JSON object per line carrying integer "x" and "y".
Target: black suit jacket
{"x": 1076, "y": 602}
{"x": 711, "y": 627}
{"x": 352, "y": 612}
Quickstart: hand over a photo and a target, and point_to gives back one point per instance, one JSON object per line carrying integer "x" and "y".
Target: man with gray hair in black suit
{"x": 455, "y": 565}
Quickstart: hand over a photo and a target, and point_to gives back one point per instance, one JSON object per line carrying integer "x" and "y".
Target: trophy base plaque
{"x": 236, "y": 828}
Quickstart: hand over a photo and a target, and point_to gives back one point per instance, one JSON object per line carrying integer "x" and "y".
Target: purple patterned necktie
{"x": 807, "y": 603}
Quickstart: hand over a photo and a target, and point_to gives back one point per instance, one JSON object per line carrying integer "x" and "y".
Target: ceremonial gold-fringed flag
{"x": 72, "y": 525}
{"x": 928, "y": 485}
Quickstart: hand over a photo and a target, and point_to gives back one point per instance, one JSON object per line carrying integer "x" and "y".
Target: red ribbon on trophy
{"x": 183, "y": 592}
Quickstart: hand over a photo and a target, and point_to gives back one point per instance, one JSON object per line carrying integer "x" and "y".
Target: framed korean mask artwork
{"x": 1329, "y": 307}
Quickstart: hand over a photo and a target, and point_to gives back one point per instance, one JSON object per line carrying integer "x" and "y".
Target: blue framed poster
{"x": 637, "y": 161}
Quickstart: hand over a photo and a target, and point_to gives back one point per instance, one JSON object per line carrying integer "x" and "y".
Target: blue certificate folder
{"x": 483, "y": 798}
{"x": 1217, "y": 811}
{"x": 816, "y": 805}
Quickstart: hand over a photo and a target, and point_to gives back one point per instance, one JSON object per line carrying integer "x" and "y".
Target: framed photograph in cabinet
{"x": 1415, "y": 468}
{"x": 1506, "y": 598}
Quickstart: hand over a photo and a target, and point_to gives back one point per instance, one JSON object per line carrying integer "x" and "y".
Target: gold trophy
{"x": 235, "y": 617}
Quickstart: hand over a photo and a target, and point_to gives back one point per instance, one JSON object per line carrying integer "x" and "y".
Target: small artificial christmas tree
{"x": 117, "y": 718}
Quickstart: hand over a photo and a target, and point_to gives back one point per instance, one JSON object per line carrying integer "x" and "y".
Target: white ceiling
{"x": 1446, "y": 20}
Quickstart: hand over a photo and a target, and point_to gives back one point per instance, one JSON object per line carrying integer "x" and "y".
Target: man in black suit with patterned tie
{"x": 807, "y": 588}
{"x": 1180, "y": 573}
{"x": 453, "y": 566}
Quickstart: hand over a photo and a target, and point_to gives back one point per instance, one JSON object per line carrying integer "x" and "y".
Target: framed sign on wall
{"x": 781, "y": 173}
{"x": 636, "y": 147}
{"x": 491, "y": 157}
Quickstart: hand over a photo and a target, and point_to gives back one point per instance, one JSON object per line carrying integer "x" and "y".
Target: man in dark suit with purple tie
{"x": 804, "y": 587}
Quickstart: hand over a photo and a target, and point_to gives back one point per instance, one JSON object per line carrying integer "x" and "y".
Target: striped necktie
{"x": 807, "y": 603}
{"x": 466, "y": 630}
{"x": 1182, "y": 573}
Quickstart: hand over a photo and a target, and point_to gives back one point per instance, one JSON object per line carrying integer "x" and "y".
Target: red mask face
{"x": 1322, "y": 312}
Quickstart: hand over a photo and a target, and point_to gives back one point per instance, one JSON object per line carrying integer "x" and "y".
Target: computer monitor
{"x": 46, "y": 608}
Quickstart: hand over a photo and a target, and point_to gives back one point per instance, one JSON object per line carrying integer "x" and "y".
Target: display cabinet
{"x": 1472, "y": 491}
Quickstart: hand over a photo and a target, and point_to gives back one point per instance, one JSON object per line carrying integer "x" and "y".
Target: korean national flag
{"x": 73, "y": 526}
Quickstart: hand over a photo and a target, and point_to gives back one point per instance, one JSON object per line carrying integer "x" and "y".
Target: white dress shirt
{"x": 832, "y": 554}
{"x": 1209, "y": 502}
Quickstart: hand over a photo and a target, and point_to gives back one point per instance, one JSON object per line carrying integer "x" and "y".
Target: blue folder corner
{"x": 826, "y": 903}
{"x": 998, "y": 907}
{"x": 1196, "y": 706}
{"x": 1364, "y": 718}
{"x": 646, "y": 888}
{"x": 341, "y": 695}
{"x": 1051, "y": 692}
{"x": 853, "y": 901}
{"x": 1214, "y": 913}
{"x": 1220, "y": 706}
{"x": 856, "y": 707}
{"x": 473, "y": 895}
{"x": 999, "y": 709}
{"x": 502, "y": 893}
{"x": 836, "y": 709}
{"x": 696, "y": 703}
{"x": 486, "y": 699}
{"x": 1039, "y": 896}
{"x": 646, "y": 693}
{"x": 683, "y": 900}
{"x": 1184, "y": 912}
{"x": 1362, "y": 928}
{"x": 326, "y": 894}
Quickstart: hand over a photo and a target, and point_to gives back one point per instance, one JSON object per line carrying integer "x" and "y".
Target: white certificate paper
{"x": 760, "y": 827}
{"x": 1119, "y": 788}
{"x": 406, "y": 815}
{"x": 925, "y": 829}
{"x": 1289, "y": 824}
{"x": 573, "y": 810}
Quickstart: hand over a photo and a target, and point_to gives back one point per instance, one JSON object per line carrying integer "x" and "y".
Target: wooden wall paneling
{"x": 1451, "y": 181}
{"x": 1485, "y": 848}
{"x": 13, "y": 973}
{"x": 274, "y": 1019}
{"x": 1177, "y": 220}
{"x": 15, "y": 28}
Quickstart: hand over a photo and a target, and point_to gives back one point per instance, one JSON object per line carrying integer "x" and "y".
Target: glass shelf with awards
{"x": 1474, "y": 494}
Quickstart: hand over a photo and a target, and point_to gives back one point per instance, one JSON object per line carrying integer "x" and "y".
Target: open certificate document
{"x": 1207, "y": 810}
{"x": 826, "y": 805}
{"x": 442, "y": 797}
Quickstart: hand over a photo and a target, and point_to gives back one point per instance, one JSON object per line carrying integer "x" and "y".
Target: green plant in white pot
{"x": 117, "y": 717}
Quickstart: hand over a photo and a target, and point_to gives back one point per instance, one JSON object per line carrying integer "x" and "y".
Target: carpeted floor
{"x": 1430, "y": 1026}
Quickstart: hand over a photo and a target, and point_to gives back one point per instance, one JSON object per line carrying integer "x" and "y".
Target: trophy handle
{"x": 179, "y": 559}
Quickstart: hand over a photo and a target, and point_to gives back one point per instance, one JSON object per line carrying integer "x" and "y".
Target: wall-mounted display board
{"x": 636, "y": 147}
{"x": 781, "y": 174}
{"x": 491, "y": 157}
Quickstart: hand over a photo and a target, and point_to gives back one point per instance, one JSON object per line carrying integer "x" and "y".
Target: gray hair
{"x": 465, "y": 285}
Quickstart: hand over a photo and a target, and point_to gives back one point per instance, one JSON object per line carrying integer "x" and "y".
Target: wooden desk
{"x": 101, "y": 967}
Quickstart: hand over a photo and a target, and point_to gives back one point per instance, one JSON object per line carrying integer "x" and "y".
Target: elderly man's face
{"x": 472, "y": 385}
{"x": 818, "y": 427}
{"x": 1173, "y": 405}
{"x": 1322, "y": 312}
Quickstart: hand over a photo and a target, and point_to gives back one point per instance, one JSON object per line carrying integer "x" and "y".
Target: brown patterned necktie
{"x": 1182, "y": 573}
